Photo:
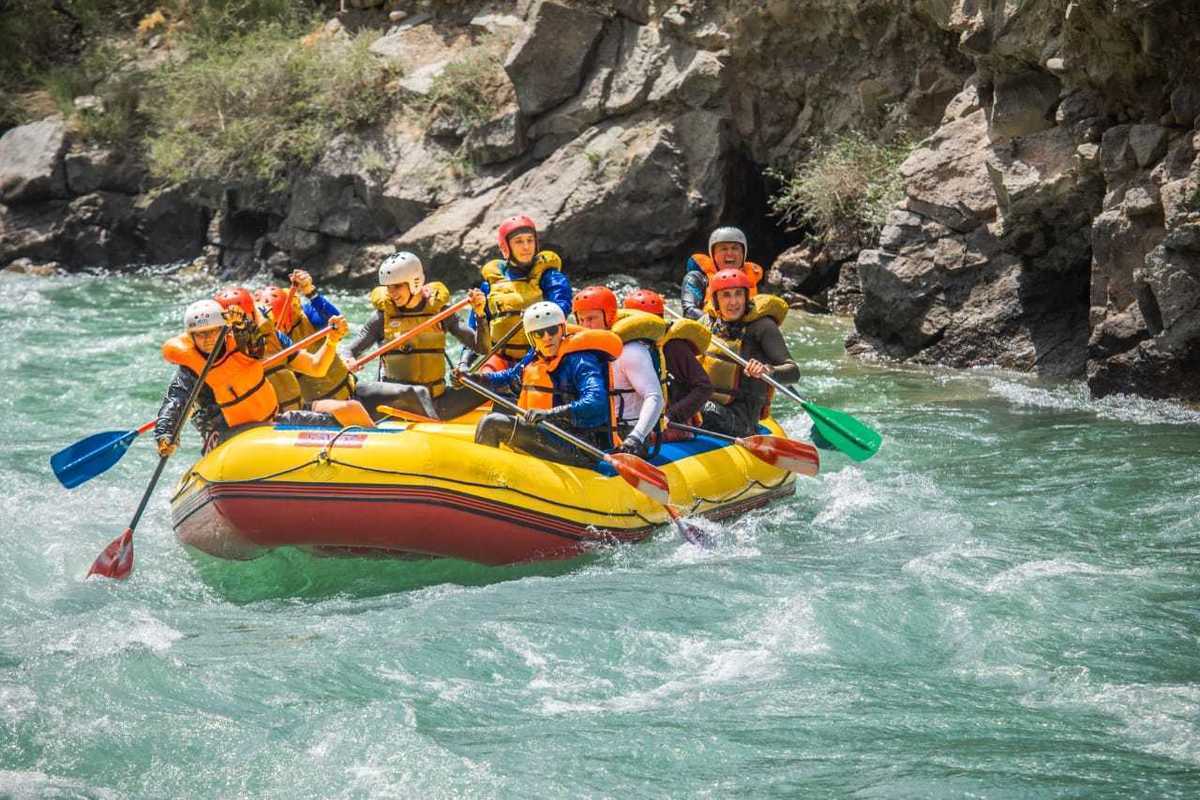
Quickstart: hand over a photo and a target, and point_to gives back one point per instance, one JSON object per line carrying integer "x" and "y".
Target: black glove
{"x": 634, "y": 445}
{"x": 456, "y": 376}
{"x": 535, "y": 415}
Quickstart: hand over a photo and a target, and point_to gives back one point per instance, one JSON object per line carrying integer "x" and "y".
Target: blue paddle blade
{"x": 90, "y": 457}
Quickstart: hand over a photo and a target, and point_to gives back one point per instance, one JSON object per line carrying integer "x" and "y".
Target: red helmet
{"x": 513, "y": 225}
{"x": 273, "y": 298}
{"x": 236, "y": 296}
{"x": 645, "y": 300}
{"x": 597, "y": 298}
{"x": 729, "y": 279}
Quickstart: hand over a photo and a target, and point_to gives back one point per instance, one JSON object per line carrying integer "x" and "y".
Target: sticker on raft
{"x": 322, "y": 438}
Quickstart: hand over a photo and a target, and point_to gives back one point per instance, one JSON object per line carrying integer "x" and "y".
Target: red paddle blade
{"x": 798, "y": 457}
{"x": 641, "y": 475}
{"x": 117, "y": 559}
{"x": 689, "y": 532}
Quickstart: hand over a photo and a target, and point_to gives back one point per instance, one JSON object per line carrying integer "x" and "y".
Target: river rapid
{"x": 1003, "y": 603}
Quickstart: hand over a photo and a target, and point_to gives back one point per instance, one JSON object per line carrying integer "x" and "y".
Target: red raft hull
{"x": 448, "y": 498}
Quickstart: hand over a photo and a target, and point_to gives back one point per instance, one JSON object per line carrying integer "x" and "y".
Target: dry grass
{"x": 850, "y": 180}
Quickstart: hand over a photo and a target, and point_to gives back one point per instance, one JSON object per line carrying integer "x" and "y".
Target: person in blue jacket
{"x": 727, "y": 248}
{"x": 566, "y": 379}
{"x": 523, "y": 276}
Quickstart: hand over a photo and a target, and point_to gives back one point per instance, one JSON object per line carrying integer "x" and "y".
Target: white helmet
{"x": 402, "y": 267}
{"x": 203, "y": 314}
{"x": 728, "y": 234}
{"x": 542, "y": 315}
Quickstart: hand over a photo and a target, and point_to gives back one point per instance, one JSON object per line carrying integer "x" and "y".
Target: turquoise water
{"x": 1002, "y": 604}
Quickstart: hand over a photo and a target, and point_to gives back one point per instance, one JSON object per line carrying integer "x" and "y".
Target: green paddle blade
{"x": 844, "y": 432}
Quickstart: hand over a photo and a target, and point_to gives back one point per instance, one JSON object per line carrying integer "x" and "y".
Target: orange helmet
{"x": 729, "y": 279}
{"x": 272, "y": 297}
{"x": 645, "y": 300}
{"x": 236, "y": 296}
{"x": 597, "y": 298}
{"x": 513, "y": 225}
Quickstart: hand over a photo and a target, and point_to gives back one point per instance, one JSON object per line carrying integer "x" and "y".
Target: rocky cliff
{"x": 1049, "y": 222}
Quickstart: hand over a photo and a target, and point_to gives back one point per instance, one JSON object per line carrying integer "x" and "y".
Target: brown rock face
{"x": 1052, "y": 222}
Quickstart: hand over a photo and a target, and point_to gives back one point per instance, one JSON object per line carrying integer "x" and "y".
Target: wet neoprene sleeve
{"x": 691, "y": 293}
{"x": 206, "y": 415}
{"x": 690, "y": 385}
{"x": 764, "y": 341}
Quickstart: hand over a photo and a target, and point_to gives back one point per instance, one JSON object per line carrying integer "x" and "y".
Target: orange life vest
{"x": 752, "y": 270}
{"x": 537, "y": 383}
{"x": 284, "y": 380}
{"x": 237, "y": 380}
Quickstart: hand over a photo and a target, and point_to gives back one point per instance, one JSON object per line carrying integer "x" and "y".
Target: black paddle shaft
{"x": 183, "y": 418}
{"x": 479, "y": 362}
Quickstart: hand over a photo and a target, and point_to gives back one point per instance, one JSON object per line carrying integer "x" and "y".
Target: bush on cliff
{"x": 850, "y": 181}
{"x": 260, "y": 104}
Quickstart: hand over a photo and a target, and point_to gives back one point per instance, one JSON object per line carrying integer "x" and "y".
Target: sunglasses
{"x": 538, "y": 334}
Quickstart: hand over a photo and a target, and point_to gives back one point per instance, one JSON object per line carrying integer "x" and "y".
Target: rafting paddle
{"x": 94, "y": 455}
{"x": 798, "y": 457}
{"x": 117, "y": 559}
{"x": 838, "y": 428}
{"x": 638, "y": 473}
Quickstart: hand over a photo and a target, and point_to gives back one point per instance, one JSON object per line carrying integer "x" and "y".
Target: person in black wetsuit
{"x": 749, "y": 327}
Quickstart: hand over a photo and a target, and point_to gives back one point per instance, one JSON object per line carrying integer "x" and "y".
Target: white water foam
{"x": 1162, "y": 719}
{"x": 1075, "y": 397}
{"x": 140, "y": 630}
{"x": 16, "y": 703}
{"x": 15, "y": 785}
{"x": 697, "y": 665}
{"x": 1015, "y": 577}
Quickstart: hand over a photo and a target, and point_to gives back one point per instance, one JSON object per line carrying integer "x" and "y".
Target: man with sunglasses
{"x": 565, "y": 378}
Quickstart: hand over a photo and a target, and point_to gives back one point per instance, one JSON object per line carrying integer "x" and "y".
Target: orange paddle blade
{"x": 798, "y": 457}
{"x": 641, "y": 475}
{"x": 117, "y": 559}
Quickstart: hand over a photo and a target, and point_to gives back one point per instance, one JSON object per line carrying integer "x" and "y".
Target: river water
{"x": 1003, "y": 603}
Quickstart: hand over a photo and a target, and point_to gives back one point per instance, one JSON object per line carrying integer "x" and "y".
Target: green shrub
{"x": 849, "y": 181}
{"x": 261, "y": 104}
{"x": 213, "y": 21}
{"x": 471, "y": 90}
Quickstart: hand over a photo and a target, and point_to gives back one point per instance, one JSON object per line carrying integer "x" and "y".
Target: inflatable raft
{"x": 425, "y": 490}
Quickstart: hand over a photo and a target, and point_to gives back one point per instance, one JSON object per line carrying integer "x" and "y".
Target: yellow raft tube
{"x": 427, "y": 490}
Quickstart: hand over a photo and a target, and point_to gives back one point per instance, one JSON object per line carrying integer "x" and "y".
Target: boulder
{"x": 546, "y": 65}
{"x": 497, "y": 140}
{"x": 31, "y": 166}
{"x": 100, "y": 230}
{"x": 96, "y": 168}
{"x": 621, "y": 196}
{"x": 947, "y": 179}
{"x": 32, "y": 232}
{"x": 25, "y": 266}
{"x": 172, "y": 226}
{"x": 1023, "y": 103}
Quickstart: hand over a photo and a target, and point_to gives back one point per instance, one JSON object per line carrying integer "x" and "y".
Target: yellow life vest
{"x": 421, "y": 360}
{"x": 281, "y": 376}
{"x": 237, "y": 381}
{"x": 336, "y": 384}
{"x": 690, "y": 331}
{"x": 537, "y": 382}
{"x": 752, "y": 270}
{"x": 509, "y": 297}
{"x": 634, "y": 325}
{"x": 723, "y": 371}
